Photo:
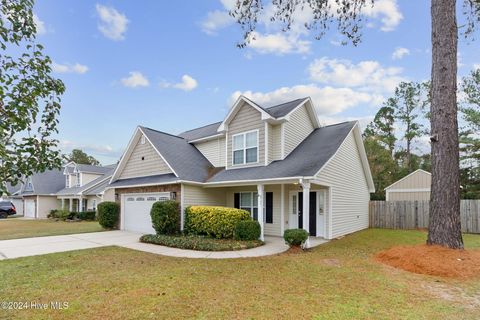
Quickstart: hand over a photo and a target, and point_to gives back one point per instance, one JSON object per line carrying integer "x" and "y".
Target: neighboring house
{"x": 278, "y": 163}
{"x": 14, "y": 196}
{"x": 78, "y": 187}
{"x": 84, "y": 186}
{"x": 39, "y": 193}
{"x": 415, "y": 186}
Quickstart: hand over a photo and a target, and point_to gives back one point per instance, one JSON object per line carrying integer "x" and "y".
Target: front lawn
{"x": 338, "y": 280}
{"x": 14, "y": 228}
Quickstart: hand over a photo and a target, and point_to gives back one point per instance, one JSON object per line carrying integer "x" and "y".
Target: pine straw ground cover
{"x": 338, "y": 280}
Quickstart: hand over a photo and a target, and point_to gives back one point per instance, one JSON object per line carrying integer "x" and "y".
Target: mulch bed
{"x": 433, "y": 260}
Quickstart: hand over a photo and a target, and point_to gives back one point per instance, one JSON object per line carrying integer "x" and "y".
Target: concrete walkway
{"x": 16, "y": 248}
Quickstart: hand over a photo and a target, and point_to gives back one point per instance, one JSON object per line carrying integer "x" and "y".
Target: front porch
{"x": 276, "y": 205}
{"x": 78, "y": 203}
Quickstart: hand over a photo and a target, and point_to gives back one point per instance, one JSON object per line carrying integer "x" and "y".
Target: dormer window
{"x": 245, "y": 148}
{"x": 67, "y": 180}
{"x": 78, "y": 179}
{"x": 29, "y": 185}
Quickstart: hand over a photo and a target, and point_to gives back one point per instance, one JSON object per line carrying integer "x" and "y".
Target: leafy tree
{"x": 382, "y": 127}
{"x": 29, "y": 97}
{"x": 444, "y": 226}
{"x": 407, "y": 104}
{"x": 80, "y": 157}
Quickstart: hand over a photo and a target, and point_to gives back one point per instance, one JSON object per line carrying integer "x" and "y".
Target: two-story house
{"x": 278, "y": 163}
{"x": 84, "y": 186}
{"x": 77, "y": 187}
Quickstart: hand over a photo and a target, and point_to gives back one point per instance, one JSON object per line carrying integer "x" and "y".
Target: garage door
{"x": 18, "y": 203}
{"x": 30, "y": 208}
{"x": 136, "y": 211}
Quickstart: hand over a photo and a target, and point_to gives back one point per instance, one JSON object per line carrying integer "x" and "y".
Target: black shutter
{"x": 236, "y": 200}
{"x": 269, "y": 207}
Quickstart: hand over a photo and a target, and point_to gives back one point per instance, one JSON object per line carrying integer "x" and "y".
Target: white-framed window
{"x": 78, "y": 179}
{"x": 29, "y": 185}
{"x": 67, "y": 180}
{"x": 142, "y": 140}
{"x": 94, "y": 204}
{"x": 245, "y": 148}
{"x": 249, "y": 202}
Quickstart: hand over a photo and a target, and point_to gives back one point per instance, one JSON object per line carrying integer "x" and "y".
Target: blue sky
{"x": 173, "y": 65}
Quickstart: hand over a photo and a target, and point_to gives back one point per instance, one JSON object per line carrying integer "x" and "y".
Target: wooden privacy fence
{"x": 414, "y": 214}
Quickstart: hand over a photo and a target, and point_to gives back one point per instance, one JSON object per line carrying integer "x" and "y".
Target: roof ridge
{"x": 207, "y": 125}
{"x": 163, "y": 132}
{"x": 283, "y": 103}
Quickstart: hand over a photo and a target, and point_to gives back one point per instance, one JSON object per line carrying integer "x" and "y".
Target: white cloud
{"x": 327, "y": 100}
{"x": 365, "y": 75}
{"x": 385, "y": 10}
{"x": 136, "y": 79}
{"x": 399, "y": 53}
{"x": 187, "y": 84}
{"x": 476, "y": 66}
{"x": 113, "y": 24}
{"x": 69, "y": 68}
{"x": 67, "y": 146}
{"x": 278, "y": 43}
{"x": 39, "y": 24}
{"x": 215, "y": 21}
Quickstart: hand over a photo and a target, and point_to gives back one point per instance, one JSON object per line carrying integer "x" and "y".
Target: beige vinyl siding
{"x": 152, "y": 164}
{"x": 350, "y": 195}
{"x": 246, "y": 119}
{"x": 45, "y": 204}
{"x": 90, "y": 200}
{"x": 214, "y": 151}
{"x": 408, "y": 196}
{"x": 416, "y": 180}
{"x": 89, "y": 177}
{"x": 198, "y": 196}
{"x": 73, "y": 180}
{"x": 297, "y": 129}
{"x": 270, "y": 229}
{"x": 109, "y": 195}
{"x": 275, "y": 143}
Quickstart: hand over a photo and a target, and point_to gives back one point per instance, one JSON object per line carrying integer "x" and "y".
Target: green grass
{"x": 338, "y": 280}
{"x": 15, "y": 228}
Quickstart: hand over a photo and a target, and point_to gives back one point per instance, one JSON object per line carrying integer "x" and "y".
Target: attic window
{"x": 142, "y": 140}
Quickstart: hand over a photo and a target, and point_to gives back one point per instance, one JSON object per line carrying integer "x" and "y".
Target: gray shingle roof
{"x": 93, "y": 169}
{"x": 184, "y": 158}
{"x": 158, "y": 179}
{"x": 13, "y": 189}
{"x": 276, "y": 111}
{"x": 48, "y": 182}
{"x": 99, "y": 188}
{"x": 306, "y": 160}
{"x": 205, "y": 131}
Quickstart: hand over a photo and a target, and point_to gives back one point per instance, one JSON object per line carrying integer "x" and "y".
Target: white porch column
{"x": 282, "y": 209}
{"x": 306, "y": 208}
{"x": 70, "y": 204}
{"x": 63, "y": 204}
{"x": 260, "y": 191}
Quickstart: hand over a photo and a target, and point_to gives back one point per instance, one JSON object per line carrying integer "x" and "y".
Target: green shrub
{"x": 61, "y": 214}
{"x": 85, "y": 215}
{"x": 218, "y": 222}
{"x": 108, "y": 213}
{"x": 202, "y": 243}
{"x": 295, "y": 237}
{"x": 166, "y": 217}
{"x": 247, "y": 230}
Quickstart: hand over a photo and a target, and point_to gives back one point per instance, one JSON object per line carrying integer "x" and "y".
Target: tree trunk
{"x": 444, "y": 225}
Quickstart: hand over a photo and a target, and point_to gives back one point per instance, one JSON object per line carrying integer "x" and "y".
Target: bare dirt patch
{"x": 453, "y": 294}
{"x": 331, "y": 262}
{"x": 433, "y": 260}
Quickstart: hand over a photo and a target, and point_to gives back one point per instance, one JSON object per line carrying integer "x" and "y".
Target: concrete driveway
{"x": 17, "y": 248}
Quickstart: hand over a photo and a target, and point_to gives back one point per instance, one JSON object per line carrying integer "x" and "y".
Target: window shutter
{"x": 236, "y": 200}
{"x": 269, "y": 207}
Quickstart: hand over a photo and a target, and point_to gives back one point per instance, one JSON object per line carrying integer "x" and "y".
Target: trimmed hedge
{"x": 166, "y": 217}
{"x": 217, "y": 222}
{"x": 201, "y": 243}
{"x": 61, "y": 214}
{"x": 247, "y": 230}
{"x": 85, "y": 215}
{"x": 108, "y": 214}
{"x": 295, "y": 237}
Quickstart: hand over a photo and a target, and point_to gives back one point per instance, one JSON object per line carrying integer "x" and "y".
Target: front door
{"x": 312, "y": 222}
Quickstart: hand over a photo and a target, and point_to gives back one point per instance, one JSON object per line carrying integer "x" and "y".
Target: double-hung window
{"x": 249, "y": 202}
{"x": 245, "y": 148}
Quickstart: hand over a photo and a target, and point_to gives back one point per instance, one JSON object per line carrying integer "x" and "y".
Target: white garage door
{"x": 136, "y": 211}
{"x": 30, "y": 208}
